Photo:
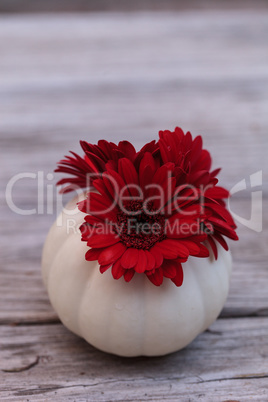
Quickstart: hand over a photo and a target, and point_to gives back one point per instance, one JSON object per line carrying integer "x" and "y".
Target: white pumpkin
{"x": 135, "y": 318}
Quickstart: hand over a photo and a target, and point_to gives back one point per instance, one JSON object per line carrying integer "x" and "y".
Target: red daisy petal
{"x": 102, "y": 240}
{"x": 162, "y": 174}
{"x": 196, "y": 149}
{"x": 213, "y": 247}
{"x": 117, "y": 270}
{"x": 106, "y": 148}
{"x": 127, "y": 170}
{"x": 204, "y": 162}
{"x": 157, "y": 277}
{"x": 147, "y": 170}
{"x": 150, "y": 260}
{"x": 216, "y": 192}
{"x": 94, "y": 202}
{"x": 86, "y": 231}
{"x": 103, "y": 268}
{"x": 193, "y": 248}
{"x": 130, "y": 258}
{"x": 221, "y": 212}
{"x": 127, "y": 149}
{"x": 141, "y": 265}
{"x": 128, "y": 275}
{"x": 111, "y": 254}
{"x": 93, "y": 220}
{"x": 93, "y": 254}
{"x": 171, "y": 249}
{"x": 203, "y": 251}
{"x": 221, "y": 240}
{"x": 101, "y": 187}
{"x": 201, "y": 177}
{"x": 158, "y": 256}
{"x": 116, "y": 181}
{"x": 97, "y": 161}
{"x": 198, "y": 238}
{"x": 215, "y": 172}
{"x": 169, "y": 268}
{"x": 178, "y": 279}
{"x": 182, "y": 228}
{"x": 179, "y": 133}
{"x": 224, "y": 228}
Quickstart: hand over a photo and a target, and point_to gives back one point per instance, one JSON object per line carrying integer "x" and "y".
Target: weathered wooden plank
{"x": 229, "y": 362}
{"x": 93, "y": 76}
{"x": 15, "y": 6}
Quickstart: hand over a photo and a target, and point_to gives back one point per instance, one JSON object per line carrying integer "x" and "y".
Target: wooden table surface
{"x": 126, "y": 76}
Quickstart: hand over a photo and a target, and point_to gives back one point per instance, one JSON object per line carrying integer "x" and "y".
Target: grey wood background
{"x": 26, "y": 6}
{"x": 114, "y": 76}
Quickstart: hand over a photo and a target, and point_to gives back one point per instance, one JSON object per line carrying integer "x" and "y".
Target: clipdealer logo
{"x": 255, "y": 221}
{"x": 49, "y": 201}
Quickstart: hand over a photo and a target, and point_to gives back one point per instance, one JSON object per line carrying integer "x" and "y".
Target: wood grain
{"x": 226, "y": 363}
{"x": 70, "y": 77}
{"x": 16, "y": 6}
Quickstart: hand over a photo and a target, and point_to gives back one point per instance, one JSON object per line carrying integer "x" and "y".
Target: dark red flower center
{"x": 140, "y": 227}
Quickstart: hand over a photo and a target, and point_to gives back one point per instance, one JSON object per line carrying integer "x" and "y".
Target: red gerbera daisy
{"x": 129, "y": 223}
{"x": 148, "y": 211}
{"x": 193, "y": 165}
{"x": 95, "y": 159}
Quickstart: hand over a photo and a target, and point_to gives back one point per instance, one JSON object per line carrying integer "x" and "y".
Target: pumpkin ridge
{"x": 83, "y": 302}
{"x": 45, "y": 267}
{"x": 64, "y": 285}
